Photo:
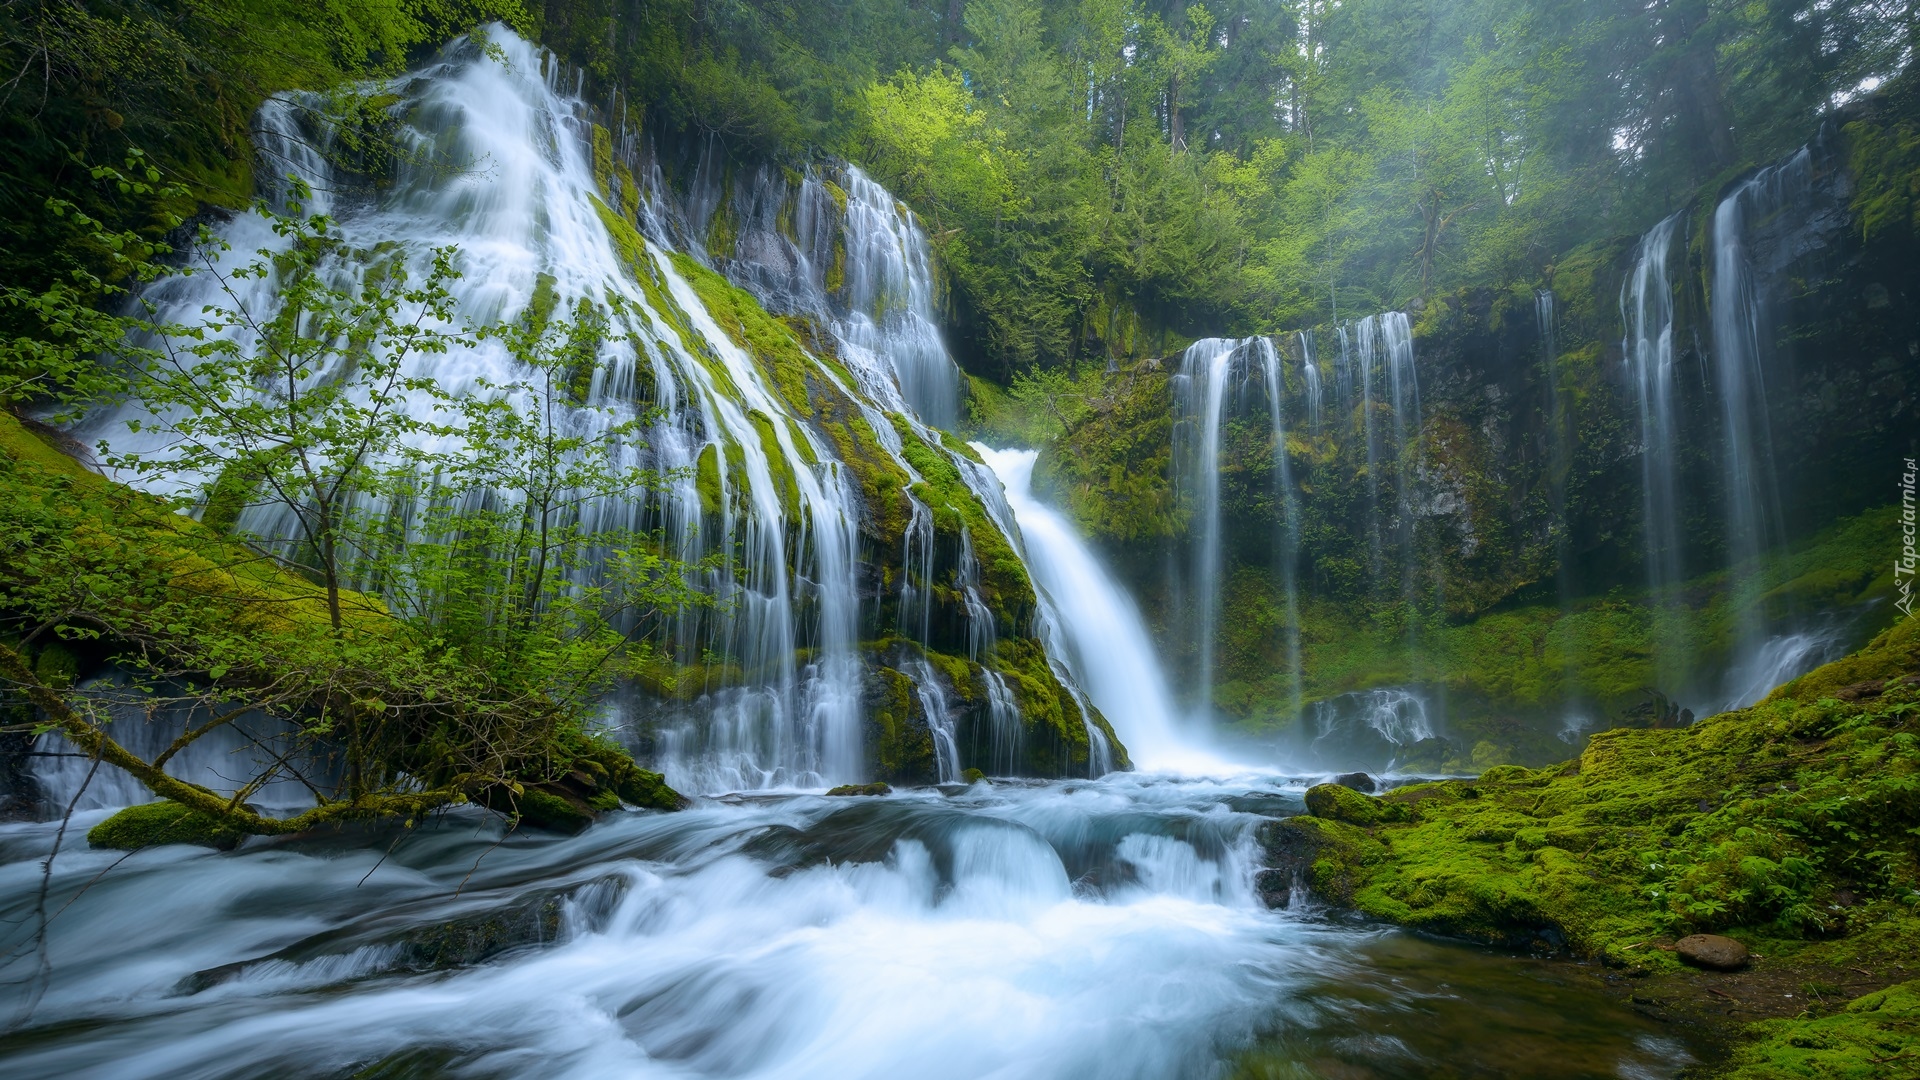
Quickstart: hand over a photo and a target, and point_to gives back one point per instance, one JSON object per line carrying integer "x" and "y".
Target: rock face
{"x": 1711, "y": 951}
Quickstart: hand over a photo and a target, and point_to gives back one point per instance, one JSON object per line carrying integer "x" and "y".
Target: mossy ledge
{"x": 1790, "y": 826}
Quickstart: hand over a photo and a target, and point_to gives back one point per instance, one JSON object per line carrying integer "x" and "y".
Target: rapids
{"x": 1105, "y": 928}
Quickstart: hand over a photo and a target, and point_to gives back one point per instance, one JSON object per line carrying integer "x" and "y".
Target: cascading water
{"x": 780, "y": 704}
{"x": 1383, "y": 353}
{"x": 1560, "y": 438}
{"x": 1646, "y": 311}
{"x": 1742, "y": 328}
{"x": 890, "y": 291}
{"x": 1201, "y": 398}
{"x": 1310, "y": 372}
{"x": 1103, "y": 639}
{"x": 1287, "y": 551}
{"x": 1370, "y": 729}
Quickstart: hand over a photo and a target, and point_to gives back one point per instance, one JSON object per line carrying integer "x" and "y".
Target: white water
{"x": 1368, "y": 729}
{"x": 1646, "y": 310}
{"x": 1779, "y": 660}
{"x": 1104, "y": 640}
{"x": 1742, "y": 325}
{"x": 1109, "y": 929}
{"x": 1201, "y": 397}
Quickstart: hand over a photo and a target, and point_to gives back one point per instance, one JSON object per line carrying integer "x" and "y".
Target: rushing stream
{"x": 1069, "y": 929}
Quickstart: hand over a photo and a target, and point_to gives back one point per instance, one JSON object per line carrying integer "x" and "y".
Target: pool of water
{"x": 1068, "y": 929}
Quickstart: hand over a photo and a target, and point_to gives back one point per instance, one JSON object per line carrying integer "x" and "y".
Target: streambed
{"x": 1064, "y": 929}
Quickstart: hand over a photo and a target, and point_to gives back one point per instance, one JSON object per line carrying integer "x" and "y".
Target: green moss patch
{"x": 163, "y": 822}
{"x": 1876, "y": 1037}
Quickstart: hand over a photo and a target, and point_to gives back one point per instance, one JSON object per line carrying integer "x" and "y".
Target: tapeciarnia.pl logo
{"x": 1903, "y": 567}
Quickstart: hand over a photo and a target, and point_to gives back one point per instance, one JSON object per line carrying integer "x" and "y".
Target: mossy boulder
{"x": 1337, "y": 802}
{"x": 164, "y": 822}
{"x": 875, "y": 788}
{"x": 1329, "y": 857}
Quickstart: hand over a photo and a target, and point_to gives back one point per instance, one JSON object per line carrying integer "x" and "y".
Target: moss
{"x": 1337, "y": 803}
{"x": 771, "y": 342}
{"x": 163, "y": 822}
{"x": 191, "y": 572}
{"x": 901, "y": 749}
{"x": 1003, "y": 575}
{"x": 1509, "y": 673}
{"x": 232, "y": 492}
{"x": 861, "y": 789}
{"x": 603, "y": 160}
{"x": 1876, "y": 1036}
{"x": 785, "y": 484}
{"x": 56, "y": 666}
{"x": 547, "y": 810}
{"x": 545, "y": 298}
{"x": 1113, "y": 470}
{"x": 1329, "y": 857}
{"x": 628, "y": 190}
{"x": 706, "y": 479}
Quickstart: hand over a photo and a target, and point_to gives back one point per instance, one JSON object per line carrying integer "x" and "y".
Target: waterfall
{"x": 1310, "y": 372}
{"x": 1103, "y": 639}
{"x": 1742, "y": 329}
{"x": 1383, "y": 355}
{"x": 1646, "y": 311}
{"x": 1287, "y": 551}
{"x": 940, "y": 719}
{"x": 890, "y": 293}
{"x": 1369, "y": 729}
{"x": 1201, "y": 400}
{"x": 1403, "y": 390}
{"x": 1560, "y": 439}
{"x": 757, "y": 500}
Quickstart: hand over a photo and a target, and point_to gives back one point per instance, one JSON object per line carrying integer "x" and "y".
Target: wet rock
{"x": 1327, "y": 857}
{"x": 1358, "y": 781}
{"x": 1712, "y": 951}
{"x": 875, "y": 788}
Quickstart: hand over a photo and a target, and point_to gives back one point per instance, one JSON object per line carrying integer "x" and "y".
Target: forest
{"x": 1152, "y": 538}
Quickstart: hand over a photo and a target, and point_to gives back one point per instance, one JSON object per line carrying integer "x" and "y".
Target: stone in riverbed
{"x": 1712, "y": 951}
{"x": 1358, "y": 781}
{"x": 876, "y": 788}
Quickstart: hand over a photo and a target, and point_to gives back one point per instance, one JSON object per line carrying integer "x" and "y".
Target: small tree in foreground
{"x": 502, "y": 607}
